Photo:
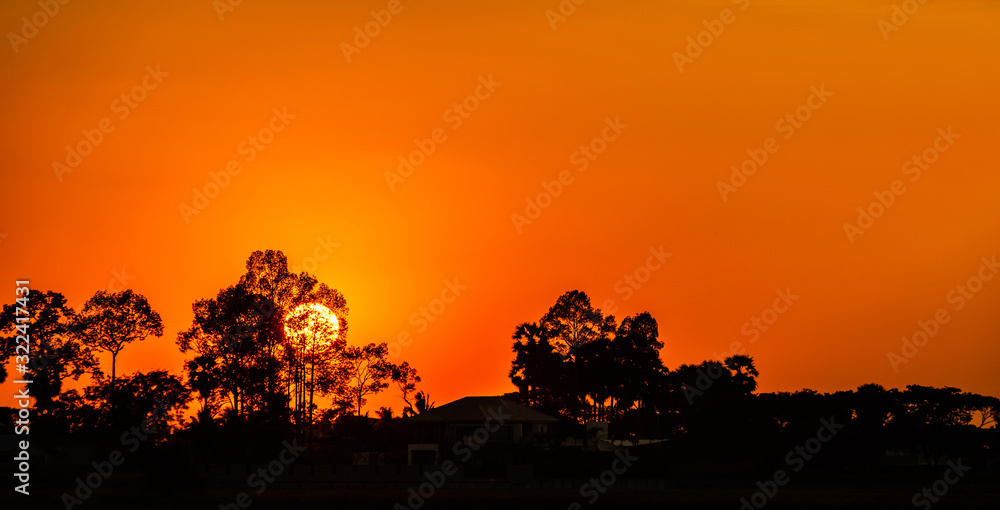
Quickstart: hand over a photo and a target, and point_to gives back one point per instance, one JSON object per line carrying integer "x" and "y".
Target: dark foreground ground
{"x": 815, "y": 491}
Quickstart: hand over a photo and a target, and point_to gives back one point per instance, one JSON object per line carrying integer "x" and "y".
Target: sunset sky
{"x": 180, "y": 93}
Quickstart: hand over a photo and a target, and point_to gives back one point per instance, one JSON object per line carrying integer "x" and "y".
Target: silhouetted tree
{"x": 422, "y": 402}
{"x": 155, "y": 398}
{"x": 327, "y": 373}
{"x": 936, "y": 407}
{"x": 56, "y": 352}
{"x": 269, "y": 278}
{"x": 244, "y": 352}
{"x": 572, "y": 323}
{"x": 230, "y": 336}
{"x": 384, "y": 414}
{"x": 988, "y": 409}
{"x": 110, "y": 321}
{"x": 204, "y": 379}
{"x": 744, "y": 372}
{"x": 313, "y": 344}
{"x": 874, "y": 406}
{"x": 6, "y": 352}
{"x": 572, "y": 330}
{"x": 406, "y": 380}
{"x": 277, "y": 291}
{"x": 539, "y": 372}
{"x": 636, "y": 363}
{"x": 369, "y": 370}
{"x": 933, "y": 414}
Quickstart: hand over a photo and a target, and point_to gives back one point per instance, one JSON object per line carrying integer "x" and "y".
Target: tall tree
{"x": 203, "y": 378}
{"x": 313, "y": 345}
{"x": 230, "y": 336}
{"x": 369, "y": 370}
{"x": 247, "y": 349}
{"x": 326, "y": 373}
{"x": 56, "y": 352}
{"x": 574, "y": 326}
{"x": 268, "y": 276}
{"x": 572, "y": 322}
{"x": 329, "y": 297}
{"x": 539, "y": 371}
{"x": 281, "y": 290}
{"x": 636, "y": 350}
{"x": 743, "y": 371}
{"x": 406, "y": 380}
{"x": 110, "y": 321}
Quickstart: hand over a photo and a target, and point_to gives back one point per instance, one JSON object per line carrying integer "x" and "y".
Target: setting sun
{"x": 312, "y": 328}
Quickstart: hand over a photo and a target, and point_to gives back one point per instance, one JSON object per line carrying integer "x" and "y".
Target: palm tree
{"x": 422, "y": 402}
{"x": 744, "y": 372}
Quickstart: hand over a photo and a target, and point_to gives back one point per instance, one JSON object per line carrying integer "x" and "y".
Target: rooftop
{"x": 477, "y": 410}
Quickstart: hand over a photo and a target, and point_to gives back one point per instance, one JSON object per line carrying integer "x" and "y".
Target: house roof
{"x": 478, "y": 409}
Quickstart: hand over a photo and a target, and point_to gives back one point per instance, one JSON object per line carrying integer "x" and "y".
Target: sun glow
{"x": 312, "y": 328}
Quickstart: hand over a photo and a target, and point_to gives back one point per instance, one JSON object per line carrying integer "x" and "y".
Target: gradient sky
{"x": 324, "y": 175}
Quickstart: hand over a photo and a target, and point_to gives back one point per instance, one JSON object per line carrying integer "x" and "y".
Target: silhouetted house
{"x": 469, "y": 423}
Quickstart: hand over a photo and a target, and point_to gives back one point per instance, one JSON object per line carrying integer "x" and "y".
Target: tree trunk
{"x": 312, "y": 382}
{"x": 114, "y": 358}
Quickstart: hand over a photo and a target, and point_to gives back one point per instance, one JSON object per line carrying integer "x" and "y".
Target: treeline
{"x": 577, "y": 363}
{"x": 258, "y": 363}
{"x": 264, "y": 353}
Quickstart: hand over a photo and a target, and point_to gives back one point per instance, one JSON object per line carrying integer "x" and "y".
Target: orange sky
{"x": 323, "y": 175}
